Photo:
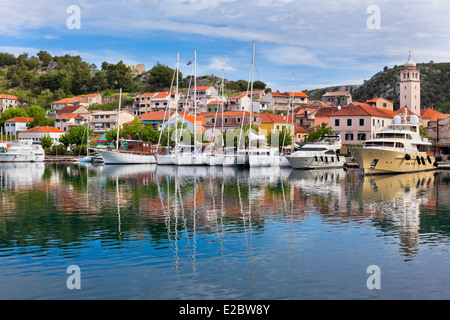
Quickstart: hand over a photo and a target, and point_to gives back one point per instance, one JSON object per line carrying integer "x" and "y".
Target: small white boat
{"x": 166, "y": 159}
{"x": 264, "y": 157}
{"x": 122, "y": 157}
{"x": 319, "y": 154}
{"x": 132, "y": 152}
{"x": 23, "y": 151}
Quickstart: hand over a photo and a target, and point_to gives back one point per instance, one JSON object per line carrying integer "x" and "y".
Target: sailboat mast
{"x": 195, "y": 101}
{"x": 292, "y": 116}
{"x": 223, "y": 75}
{"x": 251, "y": 87}
{"x": 176, "y": 102}
{"x": 118, "y": 119}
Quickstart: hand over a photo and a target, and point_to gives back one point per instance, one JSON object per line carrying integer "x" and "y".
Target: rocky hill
{"x": 435, "y": 86}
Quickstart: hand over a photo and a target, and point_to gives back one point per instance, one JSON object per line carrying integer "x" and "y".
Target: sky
{"x": 300, "y": 44}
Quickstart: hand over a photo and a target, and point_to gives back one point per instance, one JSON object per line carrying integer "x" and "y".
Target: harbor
{"x": 224, "y": 158}
{"x": 172, "y": 232}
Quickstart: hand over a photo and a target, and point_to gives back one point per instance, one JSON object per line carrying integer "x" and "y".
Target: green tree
{"x": 319, "y": 131}
{"x": 76, "y": 136}
{"x": 44, "y": 57}
{"x": 284, "y": 138}
{"x": 118, "y": 75}
{"x": 12, "y": 113}
{"x": 46, "y": 142}
{"x": 161, "y": 77}
{"x": 35, "y": 111}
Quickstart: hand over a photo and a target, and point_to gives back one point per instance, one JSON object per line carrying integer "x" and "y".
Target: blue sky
{"x": 323, "y": 42}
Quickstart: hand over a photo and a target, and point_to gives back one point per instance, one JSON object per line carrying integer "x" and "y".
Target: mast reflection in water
{"x": 147, "y": 232}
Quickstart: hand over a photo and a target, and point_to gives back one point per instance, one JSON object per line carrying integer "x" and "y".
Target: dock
{"x": 61, "y": 159}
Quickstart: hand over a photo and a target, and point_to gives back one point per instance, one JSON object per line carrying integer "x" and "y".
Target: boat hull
{"x": 10, "y": 157}
{"x": 189, "y": 159}
{"x": 381, "y": 161}
{"x": 214, "y": 159}
{"x": 230, "y": 160}
{"x": 268, "y": 160}
{"x": 165, "y": 159}
{"x": 316, "y": 162}
{"x": 114, "y": 157}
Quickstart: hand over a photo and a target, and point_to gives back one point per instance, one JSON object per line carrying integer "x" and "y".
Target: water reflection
{"x": 213, "y": 217}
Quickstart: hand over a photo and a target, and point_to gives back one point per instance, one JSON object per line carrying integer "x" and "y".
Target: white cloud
{"x": 219, "y": 63}
{"x": 292, "y": 56}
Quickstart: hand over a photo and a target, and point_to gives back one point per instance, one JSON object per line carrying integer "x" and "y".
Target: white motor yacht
{"x": 397, "y": 149}
{"x": 319, "y": 154}
{"x": 23, "y": 151}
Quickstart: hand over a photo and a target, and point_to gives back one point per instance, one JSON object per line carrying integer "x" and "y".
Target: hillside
{"x": 41, "y": 79}
{"x": 435, "y": 87}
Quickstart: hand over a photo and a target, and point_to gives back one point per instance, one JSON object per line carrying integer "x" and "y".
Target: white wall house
{"x": 15, "y": 125}
{"x": 35, "y": 134}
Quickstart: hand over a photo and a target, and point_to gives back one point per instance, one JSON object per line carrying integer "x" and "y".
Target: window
{"x": 238, "y": 120}
{"x": 385, "y": 105}
{"x": 349, "y": 136}
{"x": 361, "y": 122}
{"x": 373, "y": 122}
{"x": 226, "y": 120}
{"x": 213, "y": 120}
{"x": 361, "y": 136}
{"x": 336, "y": 122}
{"x": 349, "y": 122}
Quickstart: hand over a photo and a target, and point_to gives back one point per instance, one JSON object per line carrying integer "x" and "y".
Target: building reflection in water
{"x": 176, "y": 204}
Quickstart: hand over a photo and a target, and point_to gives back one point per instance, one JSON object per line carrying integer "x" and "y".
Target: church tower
{"x": 410, "y": 87}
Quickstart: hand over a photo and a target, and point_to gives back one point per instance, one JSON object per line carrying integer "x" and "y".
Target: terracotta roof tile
{"x": 20, "y": 119}
{"x": 43, "y": 130}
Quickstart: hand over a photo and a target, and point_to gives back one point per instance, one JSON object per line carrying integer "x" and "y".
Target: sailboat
{"x": 259, "y": 156}
{"x": 213, "y": 158}
{"x": 189, "y": 155}
{"x": 170, "y": 157}
{"x": 284, "y": 162}
{"x": 134, "y": 151}
{"x": 88, "y": 158}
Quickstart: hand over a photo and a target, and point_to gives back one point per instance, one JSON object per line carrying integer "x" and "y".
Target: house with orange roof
{"x": 282, "y": 101}
{"x": 429, "y": 114}
{"x": 67, "y": 121}
{"x": 15, "y": 125}
{"x": 230, "y": 120}
{"x": 93, "y": 98}
{"x": 239, "y": 103}
{"x": 72, "y": 109}
{"x": 381, "y": 103}
{"x": 102, "y": 121}
{"x": 300, "y": 135}
{"x": 337, "y": 98}
{"x": 188, "y": 121}
{"x": 155, "y": 101}
{"x": 271, "y": 123}
{"x": 439, "y": 130}
{"x": 8, "y": 101}
{"x": 203, "y": 92}
{"x": 358, "y": 122}
{"x": 155, "y": 118}
{"x": 322, "y": 115}
{"x": 35, "y": 134}
{"x": 58, "y": 105}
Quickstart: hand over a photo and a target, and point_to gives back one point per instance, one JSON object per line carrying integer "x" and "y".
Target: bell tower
{"x": 410, "y": 87}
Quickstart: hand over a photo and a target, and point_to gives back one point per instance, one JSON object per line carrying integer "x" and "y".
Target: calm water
{"x": 147, "y": 232}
